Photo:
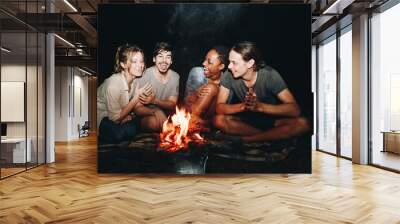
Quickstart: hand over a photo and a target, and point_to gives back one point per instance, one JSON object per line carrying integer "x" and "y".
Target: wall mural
{"x": 204, "y": 88}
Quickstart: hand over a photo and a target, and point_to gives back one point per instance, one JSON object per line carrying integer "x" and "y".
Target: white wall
{"x": 34, "y": 125}
{"x": 70, "y": 83}
{"x": 61, "y": 103}
{"x": 80, "y": 84}
{"x": 16, "y": 72}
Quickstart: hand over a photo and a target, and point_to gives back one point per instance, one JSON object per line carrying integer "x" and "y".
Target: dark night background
{"x": 282, "y": 33}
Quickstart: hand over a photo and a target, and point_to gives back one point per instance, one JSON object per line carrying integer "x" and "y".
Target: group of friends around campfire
{"x": 234, "y": 91}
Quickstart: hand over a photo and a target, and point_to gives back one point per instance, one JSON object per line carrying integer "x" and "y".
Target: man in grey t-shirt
{"x": 265, "y": 109}
{"x": 165, "y": 89}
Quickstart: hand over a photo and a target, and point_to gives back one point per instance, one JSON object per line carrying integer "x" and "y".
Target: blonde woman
{"x": 118, "y": 96}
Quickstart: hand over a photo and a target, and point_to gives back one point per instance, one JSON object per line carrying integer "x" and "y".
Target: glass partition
{"x": 41, "y": 91}
{"x": 385, "y": 88}
{"x": 22, "y": 100}
{"x": 327, "y": 95}
{"x": 346, "y": 93}
{"x": 14, "y": 153}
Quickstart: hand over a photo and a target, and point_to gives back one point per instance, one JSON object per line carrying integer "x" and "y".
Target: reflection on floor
{"x": 10, "y": 171}
{"x": 386, "y": 159}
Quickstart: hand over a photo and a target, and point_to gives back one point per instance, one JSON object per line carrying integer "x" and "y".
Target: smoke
{"x": 194, "y": 28}
{"x": 202, "y": 19}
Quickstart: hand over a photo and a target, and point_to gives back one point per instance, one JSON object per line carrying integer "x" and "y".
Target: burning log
{"x": 176, "y": 132}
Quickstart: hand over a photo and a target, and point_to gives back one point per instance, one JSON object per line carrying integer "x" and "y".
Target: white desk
{"x": 16, "y": 147}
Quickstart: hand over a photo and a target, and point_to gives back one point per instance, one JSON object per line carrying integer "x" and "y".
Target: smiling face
{"x": 134, "y": 66}
{"x": 237, "y": 65}
{"x": 162, "y": 61}
{"x": 212, "y": 65}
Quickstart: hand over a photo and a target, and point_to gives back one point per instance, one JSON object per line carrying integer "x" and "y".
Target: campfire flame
{"x": 175, "y": 133}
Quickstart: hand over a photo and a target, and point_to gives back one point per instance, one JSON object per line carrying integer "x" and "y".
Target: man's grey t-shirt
{"x": 268, "y": 85}
{"x": 162, "y": 91}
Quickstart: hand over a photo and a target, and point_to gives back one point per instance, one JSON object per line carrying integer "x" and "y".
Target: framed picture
{"x": 204, "y": 88}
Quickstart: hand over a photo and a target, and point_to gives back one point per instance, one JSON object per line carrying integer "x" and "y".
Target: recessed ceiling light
{"x": 64, "y": 40}
{"x": 84, "y": 71}
{"x": 70, "y": 5}
{"x": 5, "y": 50}
{"x": 337, "y": 7}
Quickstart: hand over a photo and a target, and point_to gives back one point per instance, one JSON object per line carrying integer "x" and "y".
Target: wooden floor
{"x": 10, "y": 171}
{"x": 71, "y": 191}
{"x": 387, "y": 159}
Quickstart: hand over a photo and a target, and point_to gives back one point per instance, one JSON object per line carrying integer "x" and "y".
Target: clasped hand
{"x": 146, "y": 94}
{"x": 251, "y": 102}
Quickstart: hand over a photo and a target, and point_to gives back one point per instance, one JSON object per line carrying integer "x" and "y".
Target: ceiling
{"x": 75, "y": 21}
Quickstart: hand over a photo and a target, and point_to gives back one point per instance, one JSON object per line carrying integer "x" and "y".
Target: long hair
{"x": 249, "y": 51}
{"x": 122, "y": 55}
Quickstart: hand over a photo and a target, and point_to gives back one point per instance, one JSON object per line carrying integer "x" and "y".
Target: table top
{"x": 391, "y": 132}
{"x": 13, "y": 140}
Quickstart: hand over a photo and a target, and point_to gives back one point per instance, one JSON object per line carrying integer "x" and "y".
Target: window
{"x": 327, "y": 95}
{"x": 346, "y": 92}
{"x": 385, "y": 84}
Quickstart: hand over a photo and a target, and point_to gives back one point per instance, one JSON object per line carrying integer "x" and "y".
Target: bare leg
{"x": 203, "y": 103}
{"x": 284, "y": 129}
{"x": 153, "y": 123}
{"x": 233, "y": 125}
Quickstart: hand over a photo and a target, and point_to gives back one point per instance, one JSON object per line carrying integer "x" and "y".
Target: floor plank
{"x": 71, "y": 191}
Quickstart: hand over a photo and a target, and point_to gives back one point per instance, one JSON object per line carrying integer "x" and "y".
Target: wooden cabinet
{"x": 391, "y": 141}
